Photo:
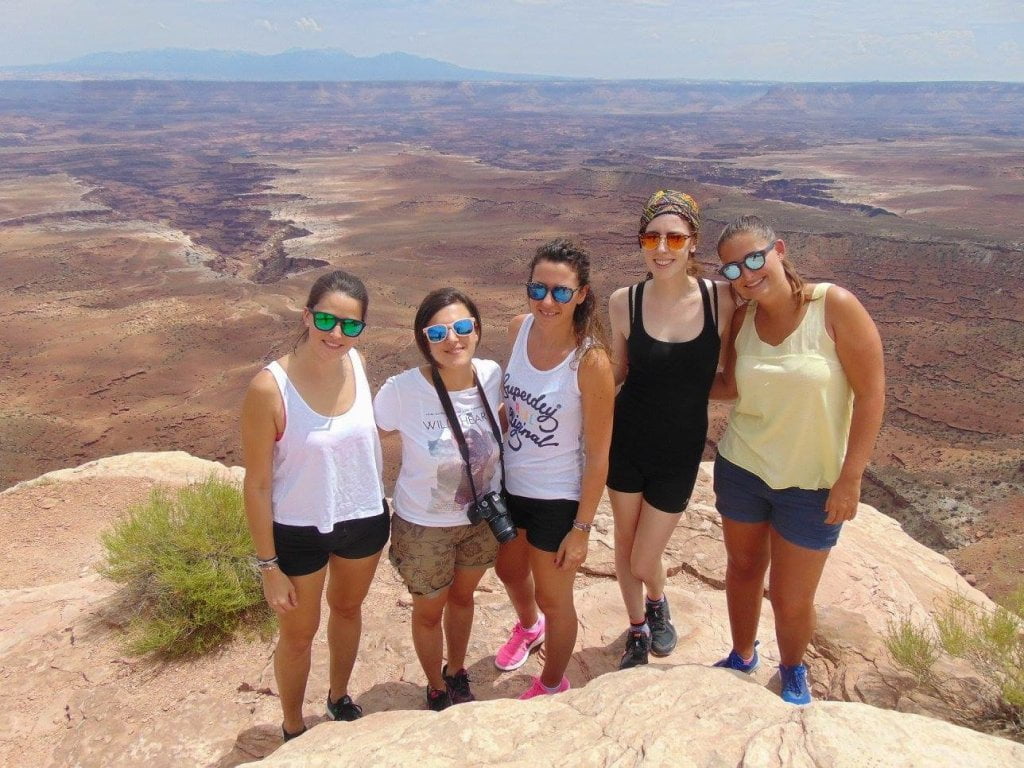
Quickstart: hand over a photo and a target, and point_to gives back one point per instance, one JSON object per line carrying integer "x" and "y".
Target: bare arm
{"x": 859, "y": 348}
{"x": 262, "y": 421}
{"x": 597, "y": 390}
{"x": 724, "y": 385}
{"x": 618, "y": 319}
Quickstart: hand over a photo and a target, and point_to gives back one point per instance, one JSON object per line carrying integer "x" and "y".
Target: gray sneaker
{"x": 663, "y": 634}
{"x": 637, "y": 645}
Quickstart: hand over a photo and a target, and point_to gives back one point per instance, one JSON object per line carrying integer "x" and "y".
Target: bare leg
{"x": 513, "y": 568}
{"x": 427, "y": 636}
{"x": 747, "y": 547}
{"x": 792, "y": 583}
{"x": 626, "y": 512}
{"x": 653, "y": 530}
{"x": 555, "y": 599}
{"x": 458, "y": 615}
{"x": 347, "y": 586}
{"x": 294, "y": 645}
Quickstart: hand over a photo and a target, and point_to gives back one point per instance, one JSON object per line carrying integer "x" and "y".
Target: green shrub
{"x": 184, "y": 558}
{"x": 911, "y": 646}
{"x": 993, "y": 641}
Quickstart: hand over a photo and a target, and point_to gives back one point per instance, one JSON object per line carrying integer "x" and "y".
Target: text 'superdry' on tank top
{"x": 544, "y": 446}
{"x": 667, "y": 383}
{"x": 791, "y": 420}
{"x": 327, "y": 469}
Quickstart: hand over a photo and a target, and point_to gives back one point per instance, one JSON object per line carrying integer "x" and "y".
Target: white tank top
{"x": 327, "y": 469}
{"x": 544, "y": 445}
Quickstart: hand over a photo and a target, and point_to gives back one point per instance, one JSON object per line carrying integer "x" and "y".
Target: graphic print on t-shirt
{"x": 531, "y": 417}
{"x": 451, "y": 487}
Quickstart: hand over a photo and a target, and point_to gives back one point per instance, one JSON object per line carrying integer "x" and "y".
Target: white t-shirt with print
{"x": 432, "y": 487}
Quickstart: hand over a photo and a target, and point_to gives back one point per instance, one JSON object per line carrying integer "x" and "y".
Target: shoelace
{"x": 656, "y": 618}
{"x": 795, "y": 681}
{"x": 460, "y": 682}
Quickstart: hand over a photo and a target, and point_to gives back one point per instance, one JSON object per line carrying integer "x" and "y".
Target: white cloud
{"x": 308, "y": 24}
{"x": 266, "y": 24}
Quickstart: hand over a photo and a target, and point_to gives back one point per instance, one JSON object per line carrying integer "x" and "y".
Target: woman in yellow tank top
{"x": 804, "y": 363}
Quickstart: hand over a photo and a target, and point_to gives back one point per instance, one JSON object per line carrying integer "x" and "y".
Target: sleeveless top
{"x": 327, "y": 469}
{"x": 791, "y": 421}
{"x": 667, "y": 385}
{"x": 544, "y": 445}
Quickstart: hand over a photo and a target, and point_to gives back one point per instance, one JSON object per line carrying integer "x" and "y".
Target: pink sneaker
{"x": 514, "y": 653}
{"x": 537, "y": 689}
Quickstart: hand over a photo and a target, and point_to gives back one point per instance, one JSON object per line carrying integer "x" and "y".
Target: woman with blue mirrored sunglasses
{"x": 561, "y": 293}
{"x": 440, "y": 546}
{"x": 752, "y": 261}
{"x": 804, "y": 365}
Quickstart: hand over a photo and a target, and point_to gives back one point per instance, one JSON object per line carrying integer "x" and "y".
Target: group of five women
{"x": 506, "y": 469}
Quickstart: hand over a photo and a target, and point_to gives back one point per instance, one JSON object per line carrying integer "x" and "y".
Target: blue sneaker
{"x": 735, "y": 661}
{"x": 794, "y": 684}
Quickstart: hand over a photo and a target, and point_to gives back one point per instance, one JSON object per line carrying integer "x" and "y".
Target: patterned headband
{"x": 669, "y": 201}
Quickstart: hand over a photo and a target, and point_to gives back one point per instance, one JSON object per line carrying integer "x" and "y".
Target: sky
{"x": 792, "y": 40}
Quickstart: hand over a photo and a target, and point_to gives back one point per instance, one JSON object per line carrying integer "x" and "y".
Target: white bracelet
{"x": 581, "y": 526}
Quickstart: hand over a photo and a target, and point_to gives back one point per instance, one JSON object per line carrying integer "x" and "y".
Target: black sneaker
{"x": 638, "y": 643}
{"x": 458, "y": 686}
{"x": 438, "y": 700}
{"x": 289, "y": 736}
{"x": 343, "y": 709}
{"x": 663, "y": 634}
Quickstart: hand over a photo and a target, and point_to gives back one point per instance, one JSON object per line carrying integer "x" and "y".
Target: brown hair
{"x": 585, "y": 321}
{"x": 433, "y": 303}
{"x": 758, "y": 227}
{"x": 337, "y": 281}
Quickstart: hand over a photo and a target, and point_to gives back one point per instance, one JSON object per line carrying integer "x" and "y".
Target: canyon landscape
{"x": 157, "y": 240}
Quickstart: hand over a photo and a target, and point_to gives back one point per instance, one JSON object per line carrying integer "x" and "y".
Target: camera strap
{"x": 456, "y": 427}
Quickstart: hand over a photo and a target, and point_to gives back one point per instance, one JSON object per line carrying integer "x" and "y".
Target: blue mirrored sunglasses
{"x": 439, "y": 332}
{"x": 560, "y": 293}
{"x": 752, "y": 261}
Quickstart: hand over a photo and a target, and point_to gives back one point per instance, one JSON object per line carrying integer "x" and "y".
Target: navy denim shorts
{"x": 797, "y": 514}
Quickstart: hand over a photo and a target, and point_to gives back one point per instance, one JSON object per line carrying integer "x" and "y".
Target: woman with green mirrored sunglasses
{"x": 313, "y": 492}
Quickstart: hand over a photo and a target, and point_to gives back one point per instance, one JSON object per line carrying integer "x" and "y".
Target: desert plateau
{"x": 157, "y": 240}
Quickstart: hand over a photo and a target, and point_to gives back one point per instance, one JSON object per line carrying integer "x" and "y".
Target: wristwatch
{"x": 581, "y": 526}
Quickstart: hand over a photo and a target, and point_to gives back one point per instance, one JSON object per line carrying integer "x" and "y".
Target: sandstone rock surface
{"x": 75, "y": 698}
{"x": 687, "y": 715}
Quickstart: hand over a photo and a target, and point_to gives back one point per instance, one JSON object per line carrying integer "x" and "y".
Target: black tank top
{"x": 667, "y": 385}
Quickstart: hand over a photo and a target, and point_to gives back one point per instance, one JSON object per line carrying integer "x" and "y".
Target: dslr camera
{"x": 493, "y": 509}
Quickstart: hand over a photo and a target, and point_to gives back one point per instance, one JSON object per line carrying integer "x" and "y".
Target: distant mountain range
{"x": 322, "y": 65}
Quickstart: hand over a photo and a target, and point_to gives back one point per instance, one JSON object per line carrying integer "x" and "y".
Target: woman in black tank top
{"x": 665, "y": 349}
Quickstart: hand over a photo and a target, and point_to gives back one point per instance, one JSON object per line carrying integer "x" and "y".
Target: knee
{"x": 427, "y": 619}
{"x": 645, "y": 569}
{"x": 791, "y": 609}
{"x": 461, "y": 599}
{"x": 344, "y": 610}
{"x": 296, "y": 642}
{"x": 554, "y": 603}
{"x": 747, "y": 567}
{"x": 511, "y": 569}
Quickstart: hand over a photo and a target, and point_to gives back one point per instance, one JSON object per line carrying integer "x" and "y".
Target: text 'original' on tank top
{"x": 327, "y": 469}
{"x": 544, "y": 446}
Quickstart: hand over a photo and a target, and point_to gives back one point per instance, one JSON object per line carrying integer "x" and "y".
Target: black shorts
{"x": 546, "y": 521}
{"x": 303, "y": 549}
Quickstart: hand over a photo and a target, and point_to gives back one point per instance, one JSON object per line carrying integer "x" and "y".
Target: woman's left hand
{"x": 842, "y": 501}
{"x": 573, "y": 551}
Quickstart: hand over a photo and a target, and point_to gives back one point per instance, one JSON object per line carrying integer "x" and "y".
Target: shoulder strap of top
{"x": 279, "y": 376}
{"x": 707, "y": 291}
{"x": 636, "y": 306}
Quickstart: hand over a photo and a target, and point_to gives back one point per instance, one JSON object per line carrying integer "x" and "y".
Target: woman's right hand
{"x": 278, "y": 590}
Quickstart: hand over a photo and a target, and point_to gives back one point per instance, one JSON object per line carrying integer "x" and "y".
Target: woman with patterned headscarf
{"x": 665, "y": 345}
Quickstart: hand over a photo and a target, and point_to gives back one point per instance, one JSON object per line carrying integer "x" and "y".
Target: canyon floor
{"x": 158, "y": 240}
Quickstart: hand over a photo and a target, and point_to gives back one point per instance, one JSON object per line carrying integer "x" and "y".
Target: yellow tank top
{"x": 791, "y": 421}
